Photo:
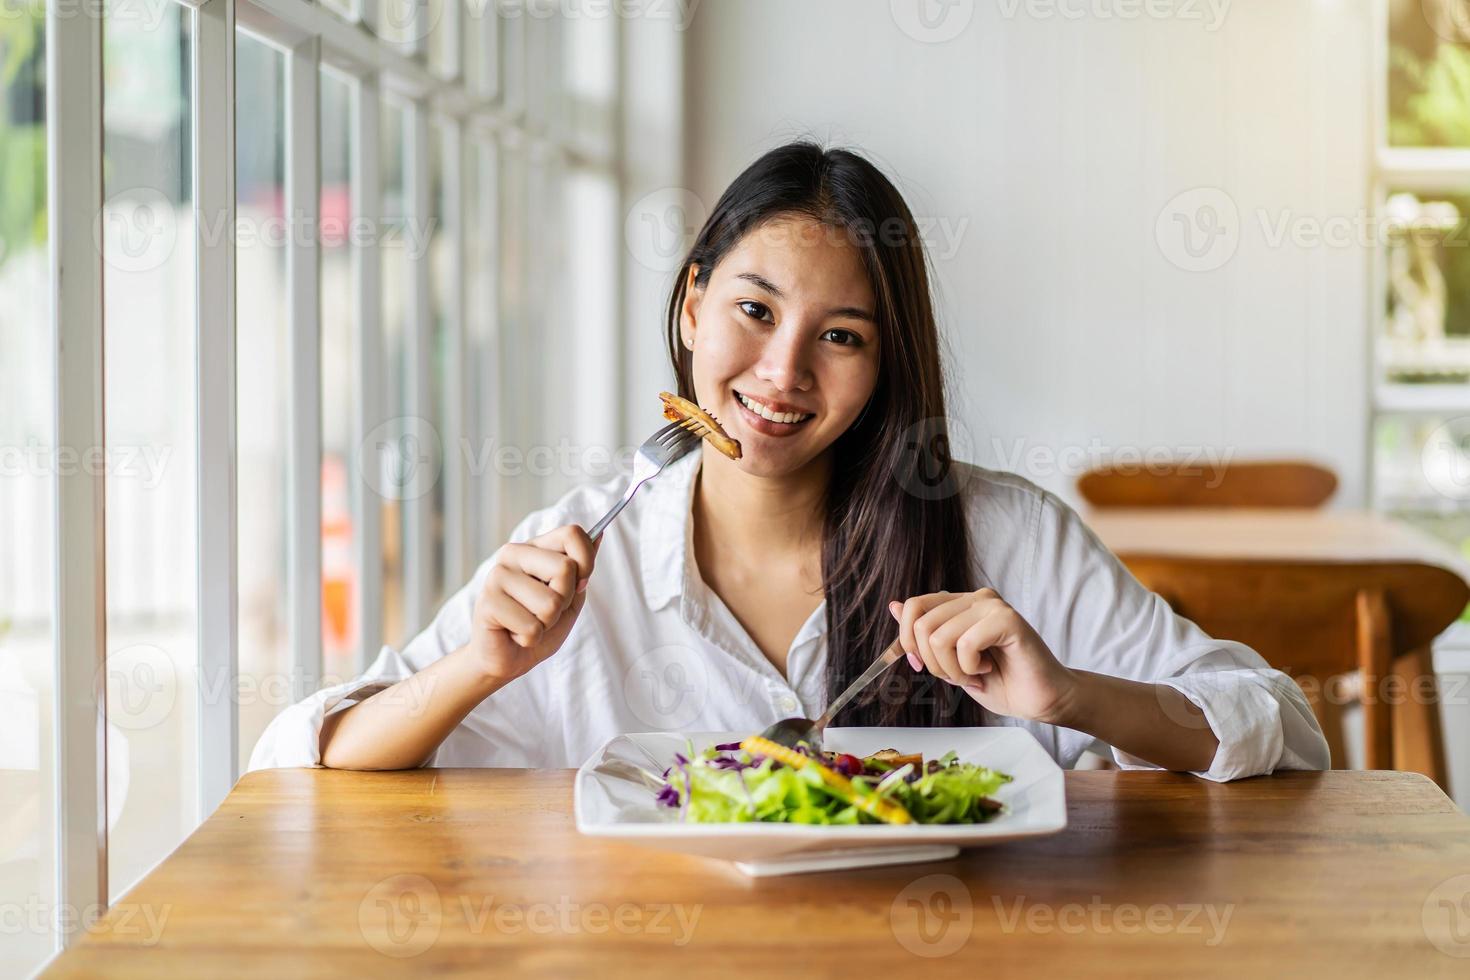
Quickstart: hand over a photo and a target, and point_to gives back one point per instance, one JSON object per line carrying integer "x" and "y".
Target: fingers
{"x": 533, "y": 583}
{"x": 516, "y": 602}
{"x": 554, "y": 569}
{"x": 906, "y": 613}
{"x": 895, "y": 609}
{"x": 913, "y": 637}
{"x": 972, "y": 646}
{"x": 575, "y": 543}
{"x": 939, "y": 658}
{"x": 951, "y": 635}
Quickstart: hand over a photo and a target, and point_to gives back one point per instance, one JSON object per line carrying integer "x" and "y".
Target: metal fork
{"x": 657, "y": 451}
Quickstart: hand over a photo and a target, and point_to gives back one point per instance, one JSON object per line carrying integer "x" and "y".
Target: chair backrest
{"x": 1320, "y": 620}
{"x": 1283, "y": 483}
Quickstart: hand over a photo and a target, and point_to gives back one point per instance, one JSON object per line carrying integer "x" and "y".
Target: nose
{"x": 783, "y": 360}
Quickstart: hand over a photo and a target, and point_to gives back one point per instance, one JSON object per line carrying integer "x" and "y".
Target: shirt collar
{"x": 666, "y": 549}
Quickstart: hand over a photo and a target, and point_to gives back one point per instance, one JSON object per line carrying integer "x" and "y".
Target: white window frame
{"x": 485, "y": 110}
{"x": 1439, "y": 170}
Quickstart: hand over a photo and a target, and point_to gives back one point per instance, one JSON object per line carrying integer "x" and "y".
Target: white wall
{"x": 1051, "y": 147}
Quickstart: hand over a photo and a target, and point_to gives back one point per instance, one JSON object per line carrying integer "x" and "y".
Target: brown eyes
{"x": 762, "y": 312}
{"x": 751, "y": 308}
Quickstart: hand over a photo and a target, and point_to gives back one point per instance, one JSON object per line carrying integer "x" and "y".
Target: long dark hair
{"x": 895, "y": 523}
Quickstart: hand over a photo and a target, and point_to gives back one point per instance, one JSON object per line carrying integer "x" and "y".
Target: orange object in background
{"x": 339, "y": 640}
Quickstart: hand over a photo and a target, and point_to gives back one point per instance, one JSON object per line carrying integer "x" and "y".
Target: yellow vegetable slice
{"x": 884, "y": 809}
{"x": 678, "y": 409}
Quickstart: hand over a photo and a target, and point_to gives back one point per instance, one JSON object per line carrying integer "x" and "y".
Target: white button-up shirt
{"x": 656, "y": 650}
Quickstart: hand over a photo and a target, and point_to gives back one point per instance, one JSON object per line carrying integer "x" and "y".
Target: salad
{"x": 758, "y": 780}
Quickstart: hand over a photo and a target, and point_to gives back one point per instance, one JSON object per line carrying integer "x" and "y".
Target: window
{"x": 28, "y": 464}
{"x": 402, "y": 178}
{"x": 444, "y": 341}
{"x": 482, "y": 341}
{"x": 262, "y": 368}
{"x": 341, "y": 500}
{"x": 148, "y": 235}
{"x": 1421, "y": 347}
{"x": 395, "y": 450}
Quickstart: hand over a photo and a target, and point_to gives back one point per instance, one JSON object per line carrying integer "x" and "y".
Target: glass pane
{"x": 28, "y": 465}
{"x": 445, "y": 17}
{"x": 339, "y": 392}
{"x": 440, "y": 270}
{"x": 589, "y": 312}
{"x": 1422, "y": 474}
{"x": 481, "y": 47}
{"x": 518, "y": 413}
{"x": 543, "y": 67}
{"x": 590, "y": 67}
{"x": 263, "y": 385}
{"x": 399, "y": 22}
{"x": 387, "y": 448}
{"x": 1426, "y": 326}
{"x": 1428, "y": 101}
{"x": 152, "y": 541}
{"x": 481, "y": 297}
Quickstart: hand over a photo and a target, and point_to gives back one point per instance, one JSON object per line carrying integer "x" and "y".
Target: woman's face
{"x": 787, "y": 321}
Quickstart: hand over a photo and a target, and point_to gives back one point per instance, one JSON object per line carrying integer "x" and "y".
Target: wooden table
{"x": 1280, "y": 534}
{"x": 1147, "y": 538}
{"x": 305, "y": 873}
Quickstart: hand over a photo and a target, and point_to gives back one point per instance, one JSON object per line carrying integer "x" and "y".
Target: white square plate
{"x": 615, "y": 807}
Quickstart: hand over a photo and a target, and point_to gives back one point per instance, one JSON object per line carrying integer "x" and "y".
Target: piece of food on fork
{"x": 678, "y": 409}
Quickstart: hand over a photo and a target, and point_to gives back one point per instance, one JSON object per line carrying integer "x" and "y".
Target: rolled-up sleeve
{"x": 293, "y": 738}
{"x": 1094, "y": 615}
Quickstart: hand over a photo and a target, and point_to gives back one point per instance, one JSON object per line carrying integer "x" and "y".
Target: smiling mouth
{"x": 780, "y": 418}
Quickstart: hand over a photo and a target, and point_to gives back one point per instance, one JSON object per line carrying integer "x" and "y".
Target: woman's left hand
{"x": 977, "y": 641}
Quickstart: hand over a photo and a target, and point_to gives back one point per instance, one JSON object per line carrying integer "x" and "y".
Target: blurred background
{"x": 1189, "y": 230}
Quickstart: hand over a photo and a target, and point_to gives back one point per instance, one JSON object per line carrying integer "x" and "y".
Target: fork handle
{"x": 881, "y": 663}
{"x": 617, "y": 508}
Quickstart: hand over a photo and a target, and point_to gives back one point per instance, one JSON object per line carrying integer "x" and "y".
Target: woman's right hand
{"x": 529, "y": 601}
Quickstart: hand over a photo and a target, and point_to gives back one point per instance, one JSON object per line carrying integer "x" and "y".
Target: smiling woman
{"x": 745, "y": 588}
{"x": 806, "y": 297}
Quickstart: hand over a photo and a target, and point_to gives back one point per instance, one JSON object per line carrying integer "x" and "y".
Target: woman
{"x": 732, "y": 593}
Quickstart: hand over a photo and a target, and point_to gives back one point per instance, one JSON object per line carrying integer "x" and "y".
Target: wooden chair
{"x": 1247, "y": 484}
{"x": 1319, "y": 621}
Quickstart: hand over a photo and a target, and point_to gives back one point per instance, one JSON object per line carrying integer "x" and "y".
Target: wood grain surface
{"x": 306, "y": 873}
{"x": 1285, "y": 534}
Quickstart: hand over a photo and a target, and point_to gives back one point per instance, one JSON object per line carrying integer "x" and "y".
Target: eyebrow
{"x": 851, "y": 312}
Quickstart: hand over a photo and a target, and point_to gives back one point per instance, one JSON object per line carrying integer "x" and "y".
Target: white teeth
{"x": 765, "y": 413}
